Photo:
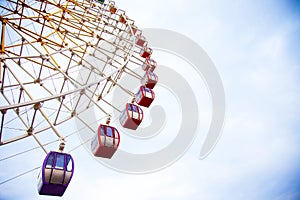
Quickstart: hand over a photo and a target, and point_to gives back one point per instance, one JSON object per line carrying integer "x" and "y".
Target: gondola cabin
{"x": 122, "y": 19}
{"x": 131, "y": 116}
{"x": 144, "y": 96}
{"x": 149, "y": 80}
{"x": 149, "y": 65}
{"x": 141, "y": 40}
{"x": 134, "y": 29}
{"x": 146, "y": 52}
{"x": 56, "y": 174}
{"x": 112, "y": 7}
{"x": 106, "y": 142}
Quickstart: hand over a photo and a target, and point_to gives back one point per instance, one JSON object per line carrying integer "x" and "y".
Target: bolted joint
{"x": 3, "y": 112}
{"x": 82, "y": 92}
{"x": 73, "y": 113}
{"x": 37, "y": 106}
{"x": 38, "y": 80}
{"x": 30, "y": 131}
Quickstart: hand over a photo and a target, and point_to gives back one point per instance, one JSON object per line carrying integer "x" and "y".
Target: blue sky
{"x": 255, "y": 47}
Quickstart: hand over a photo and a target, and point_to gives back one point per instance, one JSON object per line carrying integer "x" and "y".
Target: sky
{"x": 255, "y": 45}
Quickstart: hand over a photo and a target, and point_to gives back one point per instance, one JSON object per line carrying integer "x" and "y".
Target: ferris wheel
{"x": 59, "y": 58}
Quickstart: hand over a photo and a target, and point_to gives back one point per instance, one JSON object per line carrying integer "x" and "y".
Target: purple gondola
{"x": 145, "y": 96}
{"x": 149, "y": 65}
{"x": 149, "y": 79}
{"x": 106, "y": 141}
{"x": 131, "y": 116}
{"x": 56, "y": 174}
{"x": 146, "y": 52}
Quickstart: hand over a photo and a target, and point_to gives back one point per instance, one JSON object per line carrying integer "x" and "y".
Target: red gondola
{"x": 149, "y": 65}
{"x": 141, "y": 40}
{"x": 112, "y": 7}
{"x": 131, "y": 117}
{"x": 122, "y": 19}
{"x": 145, "y": 96}
{"x": 106, "y": 142}
{"x": 146, "y": 52}
{"x": 135, "y": 30}
{"x": 149, "y": 79}
{"x": 56, "y": 174}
